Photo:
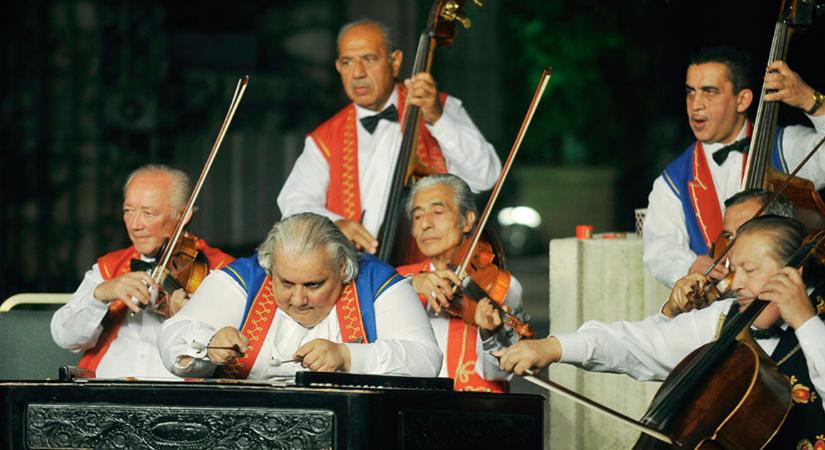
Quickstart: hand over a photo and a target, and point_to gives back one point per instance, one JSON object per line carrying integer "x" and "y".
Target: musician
{"x": 740, "y": 208}
{"x": 95, "y": 319}
{"x": 442, "y": 213}
{"x": 676, "y": 235}
{"x": 346, "y": 167}
{"x": 307, "y": 300}
{"x": 649, "y": 349}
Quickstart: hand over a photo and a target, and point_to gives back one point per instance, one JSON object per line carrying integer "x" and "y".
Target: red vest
{"x": 262, "y": 312}
{"x": 337, "y": 138}
{"x": 460, "y": 355}
{"x": 115, "y": 264}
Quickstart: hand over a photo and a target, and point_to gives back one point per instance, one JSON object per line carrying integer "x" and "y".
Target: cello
{"x": 725, "y": 394}
{"x": 715, "y": 396}
{"x": 395, "y": 245}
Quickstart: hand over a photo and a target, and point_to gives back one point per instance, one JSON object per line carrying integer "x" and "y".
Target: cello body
{"x": 741, "y": 404}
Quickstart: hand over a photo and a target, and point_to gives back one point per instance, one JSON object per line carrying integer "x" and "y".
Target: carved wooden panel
{"x": 170, "y": 427}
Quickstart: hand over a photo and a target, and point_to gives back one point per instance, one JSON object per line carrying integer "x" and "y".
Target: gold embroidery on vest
{"x": 254, "y": 334}
{"x": 263, "y": 313}
{"x": 476, "y": 389}
{"x": 464, "y": 369}
{"x": 800, "y": 393}
{"x": 106, "y": 271}
{"x": 351, "y": 330}
{"x": 692, "y": 186}
{"x": 719, "y": 324}
{"x": 349, "y": 161}
{"x": 322, "y": 145}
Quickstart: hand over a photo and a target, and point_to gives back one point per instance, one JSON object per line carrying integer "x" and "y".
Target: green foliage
{"x": 593, "y": 56}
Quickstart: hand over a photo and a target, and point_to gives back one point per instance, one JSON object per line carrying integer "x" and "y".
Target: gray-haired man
{"x": 306, "y": 299}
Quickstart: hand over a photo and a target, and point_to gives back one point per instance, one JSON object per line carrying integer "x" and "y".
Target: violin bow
{"x": 485, "y": 215}
{"x": 772, "y": 199}
{"x": 158, "y": 271}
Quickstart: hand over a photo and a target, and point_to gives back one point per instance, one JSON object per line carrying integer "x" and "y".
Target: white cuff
{"x": 197, "y": 346}
{"x": 573, "y": 348}
{"x": 444, "y": 129}
{"x": 361, "y": 358}
{"x": 812, "y": 333}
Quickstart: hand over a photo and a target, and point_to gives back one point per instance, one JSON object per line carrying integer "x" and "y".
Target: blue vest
{"x": 679, "y": 172}
{"x": 374, "y": 277}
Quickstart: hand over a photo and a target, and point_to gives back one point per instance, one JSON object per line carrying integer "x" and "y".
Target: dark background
{"x": 92, "y": 89}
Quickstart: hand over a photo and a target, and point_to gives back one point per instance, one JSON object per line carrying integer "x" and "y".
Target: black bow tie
{"x": 138, "y": 265}
{"x": 767, "y": 333}
{"x": 739, "y": 146}
{"x": 371, "y": 122}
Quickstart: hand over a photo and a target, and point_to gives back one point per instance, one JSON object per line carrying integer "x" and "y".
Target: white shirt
{"x": 404, "y": 345}
{"x": 486, "y": 365}
{"x": 667, "y": 250}
{"x": 134, "y": 352}
{"x": 649, "y": 349}
{"x": 466, "y": 152}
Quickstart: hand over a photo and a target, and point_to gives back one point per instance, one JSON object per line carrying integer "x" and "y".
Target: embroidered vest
{"x": 689, "y": 177}
{"x": 115, "y": 264}
{"x": 337, "y": 138}
{"x": 354, "y": 307}
{"x": 804, "y": 428}
{"x": 460, "y": 355}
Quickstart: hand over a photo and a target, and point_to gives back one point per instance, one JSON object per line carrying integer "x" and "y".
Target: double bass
{"x": 395, "y": 244}
{"x": 810, "y": 208}
{"x": 759, "y": 174}
{"x": 808, "y": 204}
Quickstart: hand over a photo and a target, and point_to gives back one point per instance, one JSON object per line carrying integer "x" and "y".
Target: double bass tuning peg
{"x": 452, "y": 12}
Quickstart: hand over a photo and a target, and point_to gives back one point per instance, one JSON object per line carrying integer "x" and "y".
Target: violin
{"x": 179, "y": 264}
{"x": 485, "y": 280}
{"x": 396, "y": 246}
{"x": 186, "y": 269}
